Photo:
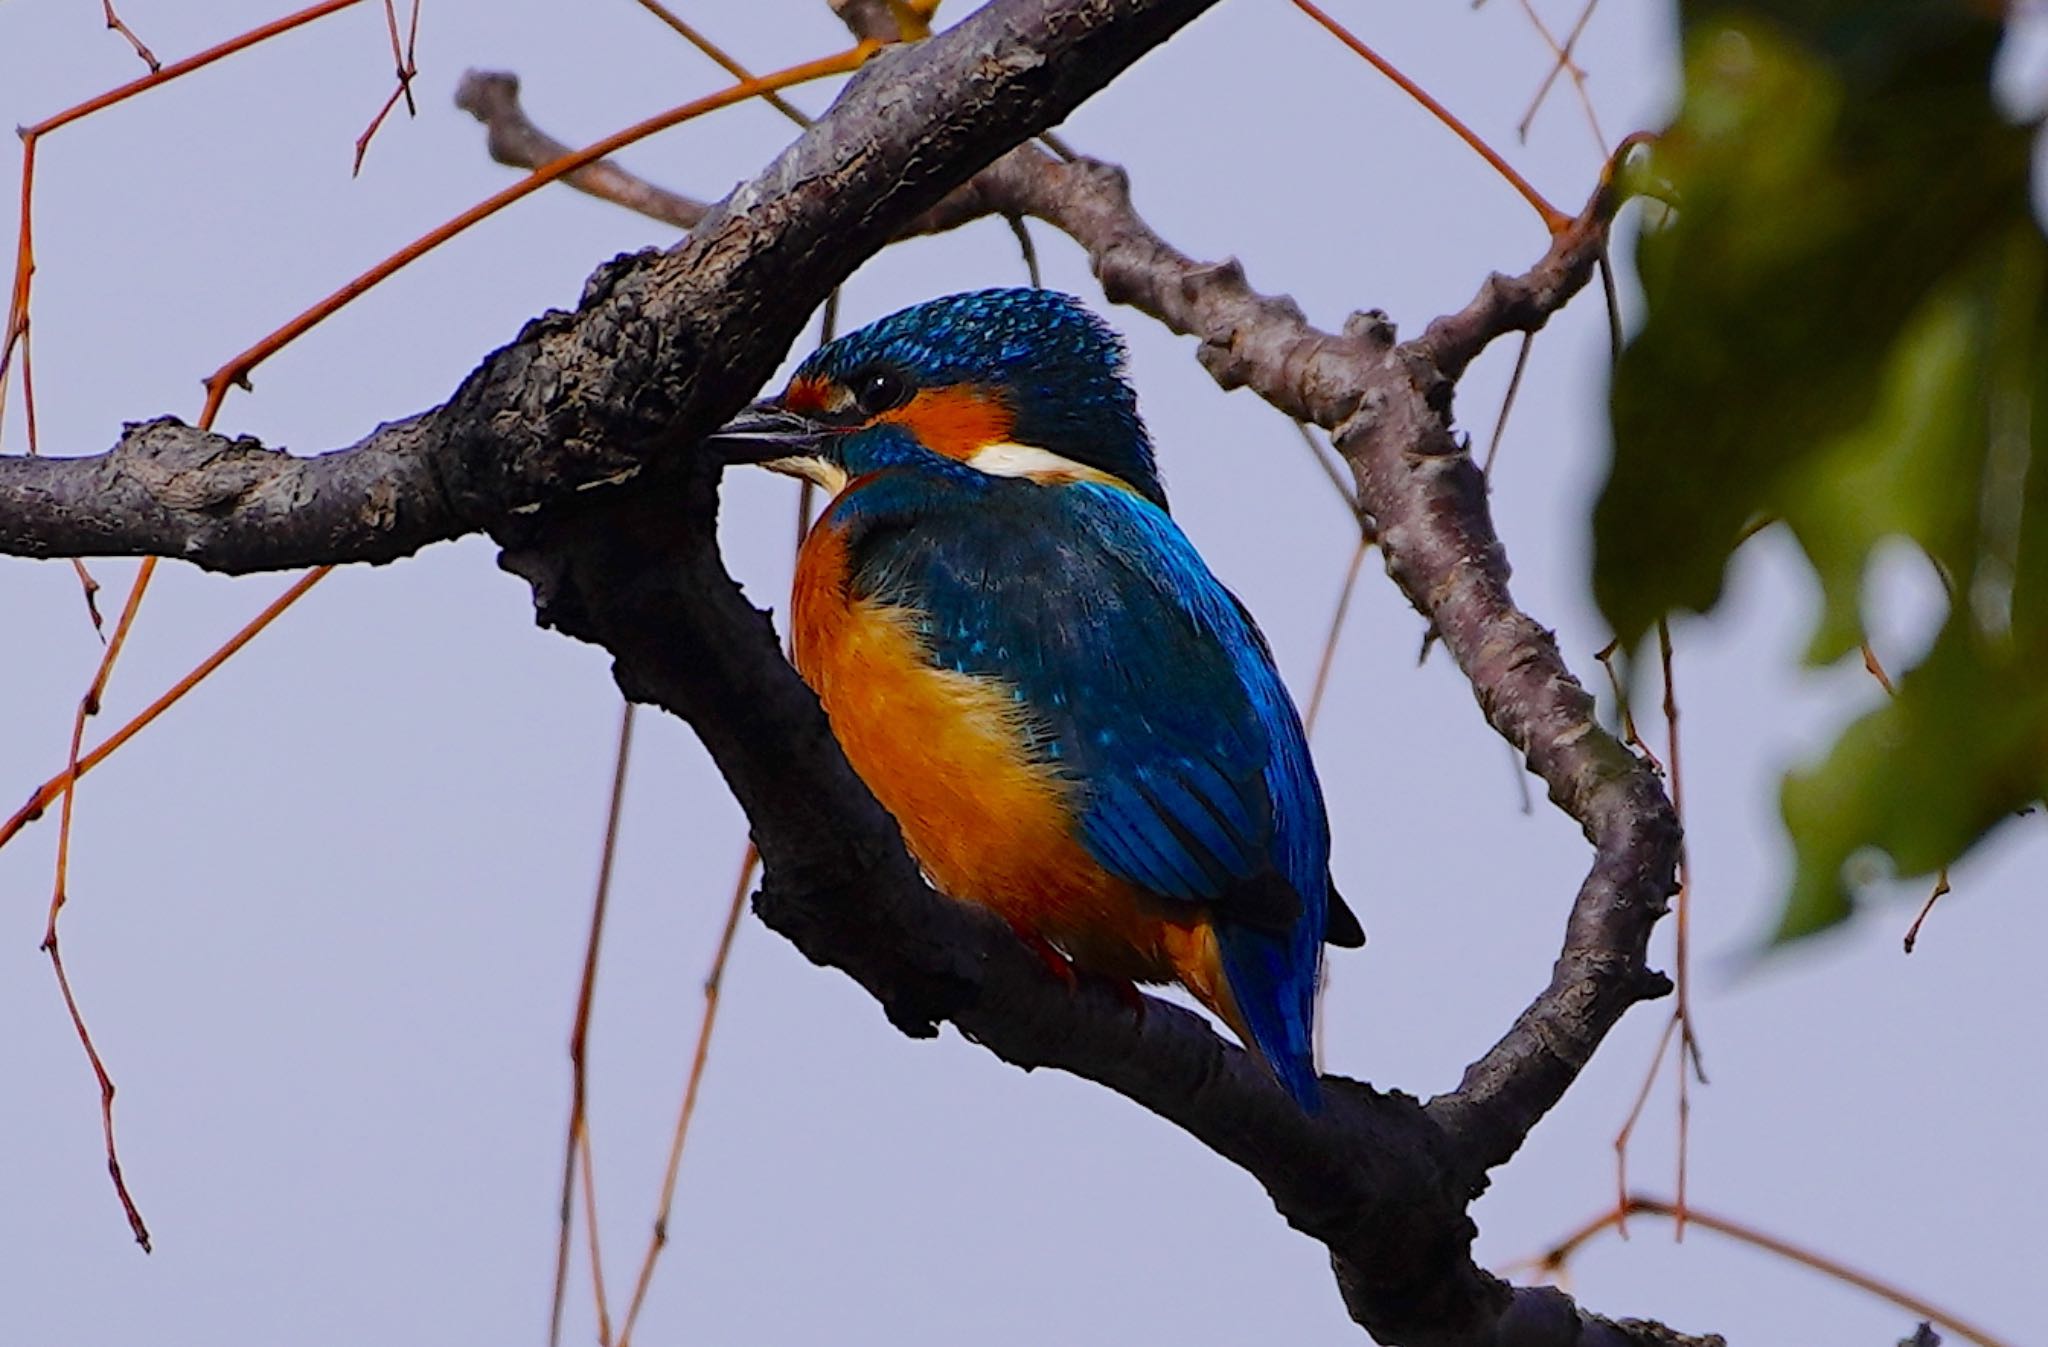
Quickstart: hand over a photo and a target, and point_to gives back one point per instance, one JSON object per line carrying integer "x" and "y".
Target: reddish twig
{"x": 403, "y": 59}
{"x": 658, "y": 1239}
{"x": 64, "y": 786}
{"x": 106, "y": 1083}
{"x": 1635, "y": 1114}
{"x": 31, "y": 137}
{"x": 56, "y": 785}
{"x": 89, "y": 588}
{"x": 579, "y": 1038}
{"x": 1555, "y": 220}
{"x": 589, "y": 1170}
{"x": 719, "y": 58}
{"x": 1554, "y": 1260}
{"x": 1634, "y": 740}
{"x": 237, "y": 370}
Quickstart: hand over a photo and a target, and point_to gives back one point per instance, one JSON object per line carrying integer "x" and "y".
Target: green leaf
{"x": 1846, "y": 332}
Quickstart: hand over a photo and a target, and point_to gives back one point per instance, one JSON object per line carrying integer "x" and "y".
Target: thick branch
{"x": 228, "y": 504}
{"x": 665, "y": 345}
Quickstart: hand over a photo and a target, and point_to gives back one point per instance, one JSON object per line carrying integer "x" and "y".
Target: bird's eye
{"x": 879, "y": 390}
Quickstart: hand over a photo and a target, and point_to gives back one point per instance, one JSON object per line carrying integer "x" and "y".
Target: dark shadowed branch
{"x": 574, "y": 448}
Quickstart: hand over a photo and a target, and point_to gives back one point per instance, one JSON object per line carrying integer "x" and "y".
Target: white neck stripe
{"x": 1026, "y": 460}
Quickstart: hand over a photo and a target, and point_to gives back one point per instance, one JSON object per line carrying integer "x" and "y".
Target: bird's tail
{"x": 1274, "y": 986}
{"x": 1263, "y": 984}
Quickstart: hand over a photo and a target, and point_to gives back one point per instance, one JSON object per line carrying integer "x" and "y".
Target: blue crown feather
{"x": 1059, "y": 366}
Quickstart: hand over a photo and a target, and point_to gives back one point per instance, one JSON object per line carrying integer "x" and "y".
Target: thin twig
{"x": 1688, "y": 1038}
{"x": 1629, "y": 736}
{"x": 1554, "y": 1260}
{"x": 718, "y": 56}
{"x": 1507, "y": 404}
{"x": 237, "y": 370}
{"x": 1941, "y": 889}
{"x": 1555, "y": 220}
{"x": 66, "y": 783}
{"x": 1563, "y": 63}
{"x": 1329, "y": 657}
{"x": 403, "y": 62}
{"x": 1612, "y": 296}
{"x": 50, "y": 790}
{"x": 589, "y": 1171}
{"x": 115, "y": 24}
{"x": 1026, "y": 247}
{"x": 89, "y": 588}
{"x": 1333, "y": 468}
{"x": 658, "y": 1239}
{"x": 1635, "y": 1114}
{"x": 106, "y": 1082}
{"x": 579, "y": 1038}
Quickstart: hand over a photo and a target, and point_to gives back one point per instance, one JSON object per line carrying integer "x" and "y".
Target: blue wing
{"x": 1159, "y": 697}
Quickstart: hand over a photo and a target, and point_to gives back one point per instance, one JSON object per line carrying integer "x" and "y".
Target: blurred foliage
{"x": 1847, "y": 332}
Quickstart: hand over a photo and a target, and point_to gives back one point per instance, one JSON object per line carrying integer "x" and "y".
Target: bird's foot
{"x": 1056, "y": 963}
{"x": 1131, "y": 998}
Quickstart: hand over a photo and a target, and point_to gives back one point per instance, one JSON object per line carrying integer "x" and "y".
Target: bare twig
{"x": 1562, "y": 63}
{"x": 1554, "y": 219}
{"x": 1941, "y": 889}
{"x": 1554, "y": 1260}
{"x": 1507, "y": 404}
{"x": 718, "y": 57}
{"x": 148, "y": 57}
{"x": 578, "y": 1137}
{"x": 407, "y": 70}
{"x": 1329, "y": 657}
{"x": 1026, "y": 248}
{"x": 1333, "y": 469}
{"x": 1688, "y": 1038}
{"x": 714, "y": 982}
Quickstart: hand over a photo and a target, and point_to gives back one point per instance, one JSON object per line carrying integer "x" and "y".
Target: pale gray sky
{"x": 327, "y": 917}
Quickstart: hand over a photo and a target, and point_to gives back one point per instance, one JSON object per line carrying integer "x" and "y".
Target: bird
{"x": 1072, "y": 720}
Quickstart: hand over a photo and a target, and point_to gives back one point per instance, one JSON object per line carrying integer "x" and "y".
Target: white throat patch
{"x": 829, "y": 476}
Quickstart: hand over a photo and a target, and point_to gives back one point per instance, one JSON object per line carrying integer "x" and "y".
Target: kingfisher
{"x": 1073, "y": 722}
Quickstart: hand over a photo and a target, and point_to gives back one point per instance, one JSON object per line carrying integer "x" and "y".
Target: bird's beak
{"x": 765, "y": 432}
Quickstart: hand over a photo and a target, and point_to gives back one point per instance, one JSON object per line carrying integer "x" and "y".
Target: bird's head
{"x": 1012, "y": 383}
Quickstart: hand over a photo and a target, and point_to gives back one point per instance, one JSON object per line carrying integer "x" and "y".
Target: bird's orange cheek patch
{"x": 958, "y": 422}
{"x": 805, "y": 395}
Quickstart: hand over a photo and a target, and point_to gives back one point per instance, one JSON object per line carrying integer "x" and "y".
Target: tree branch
{"x": 665, "y": 345}
{"x": 492, "y": 97}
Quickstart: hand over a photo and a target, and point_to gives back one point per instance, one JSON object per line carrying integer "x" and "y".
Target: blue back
{"x": 1152, "y": 690}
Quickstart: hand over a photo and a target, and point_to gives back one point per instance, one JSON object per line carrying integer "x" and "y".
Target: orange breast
{"x": 945, "y": 754}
